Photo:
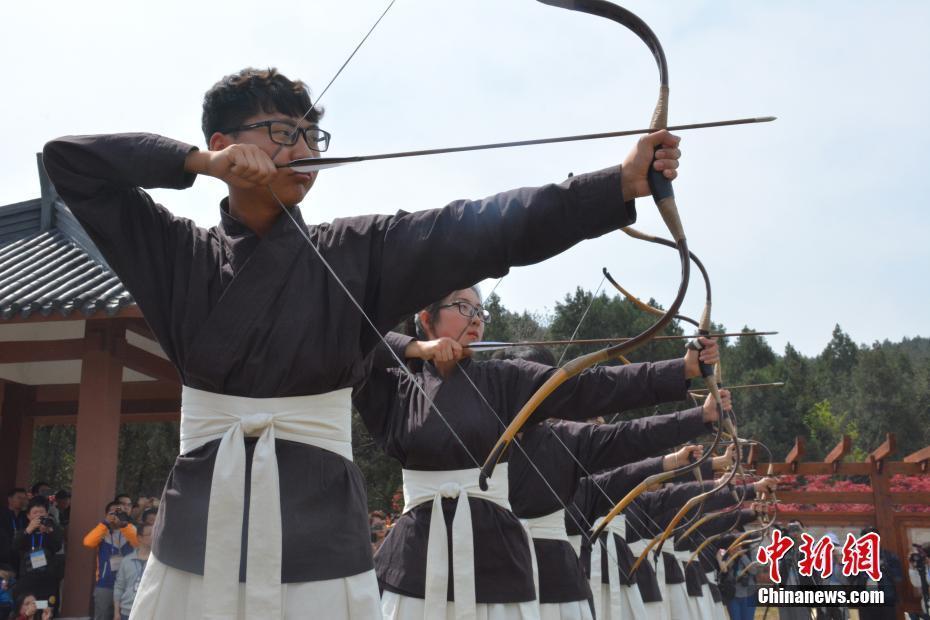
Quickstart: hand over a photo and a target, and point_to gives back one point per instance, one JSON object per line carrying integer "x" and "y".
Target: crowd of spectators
{"x": 33, "y": 544}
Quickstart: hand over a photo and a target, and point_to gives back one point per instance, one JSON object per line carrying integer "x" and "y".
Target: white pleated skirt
{"x": 399, "y": 607}
{"x": 166, "y": 592}
{"x": 627, "y": 605}
{"x": 718, "y": 611}
{"x": 679, "y": 606}
{"x": 575, "y": 610}
{"x": 706, "y": 603}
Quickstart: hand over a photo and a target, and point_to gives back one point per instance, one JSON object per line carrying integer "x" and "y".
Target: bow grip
{"x": 664, "y": 196}
{"x": 660, "y": 187}
{"x": 707, "y": 370}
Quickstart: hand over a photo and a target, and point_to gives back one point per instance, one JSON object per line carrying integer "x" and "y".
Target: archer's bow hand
{"x": 765, "y": 487}
{"x": 681, "y": 457}
{"x": 722, "y": 463}
{"x": 440, "y": 350}
{"x": 709, "y": 354}
{"x": 644, "y": 154}
{"x": 710, "y": 407}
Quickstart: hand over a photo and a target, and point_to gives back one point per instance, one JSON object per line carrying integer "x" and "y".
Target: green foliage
{"x": 382, "y": 473}
{"x": 53, "y": 456}
{"x": 146, "y": 456}
{"x": 823, "y": 428}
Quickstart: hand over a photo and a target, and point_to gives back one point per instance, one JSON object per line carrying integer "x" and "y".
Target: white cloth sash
{"x": 549, "y": 527}
{"x": 321, "y": 420}
{"x": 637, "y": 547}
{"x": 625, "y": 601}
{"x": 682, "y": 556}
{"x": 655, "y": 609}
{"x": 431, "y": 486}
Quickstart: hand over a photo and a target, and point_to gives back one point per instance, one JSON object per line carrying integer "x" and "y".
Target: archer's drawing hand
{"x": 240, "y": 165}
{"x": 440, "y": 350}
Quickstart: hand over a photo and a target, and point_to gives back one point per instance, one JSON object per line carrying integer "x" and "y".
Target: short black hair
{"x": 37, "y": 485}
{"x": 147, "y": 512}
{"x": 38, "y": 500}
{"x": 110, "y": 505}
{"x": 14, "y": 491}
{"x": 240, "y": 95}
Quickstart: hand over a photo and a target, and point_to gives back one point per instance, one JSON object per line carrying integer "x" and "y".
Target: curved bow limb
{"x": 692, "y": 503}
{"x": 707, "y": 541}
{"x": 712, "y": 382}
{"x": 664, "y": 197}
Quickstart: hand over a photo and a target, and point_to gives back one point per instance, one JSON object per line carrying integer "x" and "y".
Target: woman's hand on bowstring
{"x": 439, "y": 350}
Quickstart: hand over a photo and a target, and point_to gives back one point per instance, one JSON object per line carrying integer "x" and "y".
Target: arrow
{"x": 494, "y": 346}
{"x": 311, "y": 164}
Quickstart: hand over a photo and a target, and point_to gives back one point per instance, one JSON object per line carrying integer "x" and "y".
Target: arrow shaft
{"x": 317, "y": 163}
{"x": 742, "y": 387}
{"x": 493, "y": 346}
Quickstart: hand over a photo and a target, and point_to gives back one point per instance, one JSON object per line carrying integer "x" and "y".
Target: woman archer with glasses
{"x": 441, "y": 421}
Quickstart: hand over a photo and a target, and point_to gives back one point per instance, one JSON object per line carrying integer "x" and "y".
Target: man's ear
{"x": 425, "y": 317}
{"x": 219, "y": 141}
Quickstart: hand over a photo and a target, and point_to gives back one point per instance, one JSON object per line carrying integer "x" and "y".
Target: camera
{"x": 918, "y": 558}
{"x": 47, "y": 522}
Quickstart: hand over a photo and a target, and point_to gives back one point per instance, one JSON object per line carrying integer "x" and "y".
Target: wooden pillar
{"x": 15, "y": 434}
{"x": 884, "y": 508}
{"x": 95, "y": 456}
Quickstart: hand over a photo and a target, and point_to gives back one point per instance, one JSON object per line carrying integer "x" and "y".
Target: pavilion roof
{"x": 49, "y": 265}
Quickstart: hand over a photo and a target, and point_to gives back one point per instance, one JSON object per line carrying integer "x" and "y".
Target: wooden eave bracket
{"x": 836, "y": 454}
{"x": 797, "y": 453}
{"x": 881, "y": 453}
{"x": 922, "y": 456}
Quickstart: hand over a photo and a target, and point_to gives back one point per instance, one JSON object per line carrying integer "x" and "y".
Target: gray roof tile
{"x": 57, "y": 270}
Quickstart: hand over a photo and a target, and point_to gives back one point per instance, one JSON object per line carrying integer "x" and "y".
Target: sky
{"x": 818, "y": 219}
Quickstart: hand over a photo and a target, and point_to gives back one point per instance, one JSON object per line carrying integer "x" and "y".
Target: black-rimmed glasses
{"x": 469, "y": 310}
{"x": 286, "y": 134}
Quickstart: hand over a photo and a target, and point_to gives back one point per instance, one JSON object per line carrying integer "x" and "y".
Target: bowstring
{"x": 371, "y": 324}
{"x": 419, "y": 388}
{"x": 581, "y": 320}
{"x": 313, "y": 104}
{"x": 600, "y": 489}
{"x": 632, "y": 513}
{"x": 584, "y": 530}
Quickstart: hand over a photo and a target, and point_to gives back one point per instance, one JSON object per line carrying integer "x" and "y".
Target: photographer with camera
{"x": 919, "y": 561}
{"x": 37, "y": 545}
{"x": 113, "y": 538}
